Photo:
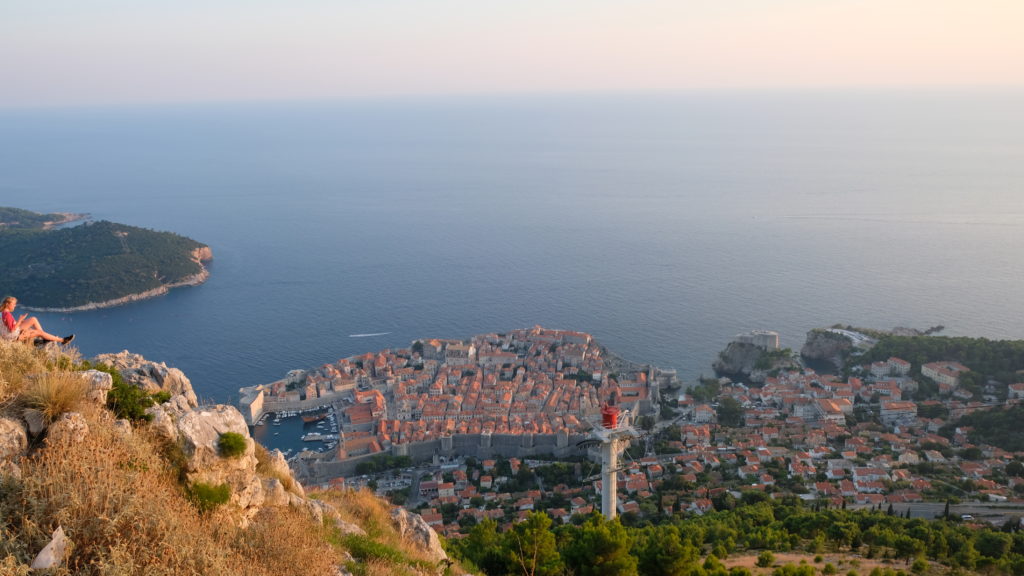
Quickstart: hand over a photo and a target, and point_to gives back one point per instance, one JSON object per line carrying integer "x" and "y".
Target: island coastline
{"x": 199, "y": 255}
{"x": 67, "y": 218}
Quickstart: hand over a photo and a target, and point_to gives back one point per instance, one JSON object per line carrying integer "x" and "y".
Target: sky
{"x": 113, "y": 52}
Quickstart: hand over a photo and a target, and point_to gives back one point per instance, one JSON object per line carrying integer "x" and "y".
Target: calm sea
{"x": 663, "y": 225}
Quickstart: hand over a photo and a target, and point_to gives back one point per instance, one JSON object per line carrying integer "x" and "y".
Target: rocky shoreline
{"x": 67, "y": 218}
{"x": 200, "y": 255}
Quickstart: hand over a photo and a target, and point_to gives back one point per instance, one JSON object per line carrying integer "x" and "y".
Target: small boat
{"x": 314, "y": 418}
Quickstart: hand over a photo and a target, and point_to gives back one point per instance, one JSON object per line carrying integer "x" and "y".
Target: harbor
{"x": 293, "y": 432}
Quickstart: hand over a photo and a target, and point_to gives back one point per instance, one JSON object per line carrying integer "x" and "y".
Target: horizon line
{"x": 905, "y": 89}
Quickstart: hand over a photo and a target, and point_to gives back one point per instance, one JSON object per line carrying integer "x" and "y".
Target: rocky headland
{"x": 745, "y": 361}
{"x": 86, "y": 487}
{"x": 826, "y": 346}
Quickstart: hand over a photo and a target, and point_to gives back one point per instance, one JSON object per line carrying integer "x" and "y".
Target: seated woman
{"x": 24, "y": 328}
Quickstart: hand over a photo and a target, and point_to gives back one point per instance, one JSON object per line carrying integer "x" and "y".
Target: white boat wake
{"x": 368, "y": 335}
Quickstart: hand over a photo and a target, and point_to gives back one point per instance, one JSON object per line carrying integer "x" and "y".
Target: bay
{"x": 661, "y": 224}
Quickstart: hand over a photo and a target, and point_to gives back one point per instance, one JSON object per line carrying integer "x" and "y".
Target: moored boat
{"x": 314, "y": 418}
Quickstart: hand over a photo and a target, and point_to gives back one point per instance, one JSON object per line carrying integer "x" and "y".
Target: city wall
{"x": 479, "y": 446}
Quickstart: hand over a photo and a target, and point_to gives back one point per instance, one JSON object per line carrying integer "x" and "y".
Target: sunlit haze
{"x": 121, "y": 52}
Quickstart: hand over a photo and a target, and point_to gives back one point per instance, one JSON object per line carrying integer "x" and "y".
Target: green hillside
{"x": 93, "y": 262}
{"x": 16, "y": 218}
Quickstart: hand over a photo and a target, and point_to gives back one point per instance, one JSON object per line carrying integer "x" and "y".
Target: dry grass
{"x": 54, "y": 393}
{"x": 843, "y": 562}
{"x": 125, "y": 512}
{"x": 263, "y": 469}
{"x": 122, "y": 503}
{"x": 286, "y": 541}
{"x": 17, "y": 360}
{"x": 364, "y": 508}
{"x": 373, "y": 514}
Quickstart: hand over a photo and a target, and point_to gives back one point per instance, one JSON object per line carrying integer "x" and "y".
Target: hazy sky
{"x": 136, "y": 51}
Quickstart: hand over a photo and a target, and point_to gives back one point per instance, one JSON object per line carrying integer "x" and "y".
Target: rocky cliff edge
{"x": 178, "y": 452}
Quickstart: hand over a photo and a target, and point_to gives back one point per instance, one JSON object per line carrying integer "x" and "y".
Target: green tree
{"x": 730, "y": 412}
{"x": 1015, "y": 468}
{"x": 765, "y": 559}
{"x": 530, "y": 545}
{"x": 600, "y": 548}
{"x": 483, "y": 547}
{"x": 993, "y": 544}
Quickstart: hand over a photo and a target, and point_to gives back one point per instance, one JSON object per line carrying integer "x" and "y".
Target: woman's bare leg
{"x": 30, "y": 323}
{"x": 33, "y": 333}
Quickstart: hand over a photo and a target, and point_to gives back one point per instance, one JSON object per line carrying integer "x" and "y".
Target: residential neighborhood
{"x": 857, "y": 441}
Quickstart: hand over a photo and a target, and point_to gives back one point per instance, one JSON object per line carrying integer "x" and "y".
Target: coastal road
{"x": 995, "y": 513}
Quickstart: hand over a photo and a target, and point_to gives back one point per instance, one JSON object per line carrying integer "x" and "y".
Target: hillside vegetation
{"x": 1000, "y": 427}
{"x": 93, "y": 263}
{"x": 122, "y": 494}
{"x": 999, "y": 359}
{"x": 720, "y": 543}
{"x": 16, "y": 218}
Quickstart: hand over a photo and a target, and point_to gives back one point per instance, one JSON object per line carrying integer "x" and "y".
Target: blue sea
{"x": 662, "y": 224}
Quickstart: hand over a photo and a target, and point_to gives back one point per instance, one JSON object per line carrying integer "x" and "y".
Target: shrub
{"x": 366, "y": 549}
{"x": 161, "y": 396}
{"x": 124, "y": 400}
{"x": 765, "y": 559}
{"x": 231, "y": 445}
{"x": 54, "y": 393}
{"x": 207, "y": 497}
{"x": 829, "y": 568}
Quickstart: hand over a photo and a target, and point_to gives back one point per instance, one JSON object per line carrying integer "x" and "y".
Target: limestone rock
{"x": 330, "y": 511}
{"x": 298, "y": 489}
{"x": 100, "y": 383}
{"x": 315, "y": 510}
{"x": 749, "y": 362}
{"x": 70, "y": 427}
{"x": 278, "y": 466}
{"x": 824, "y": 345}
{"x": 123, "y": 427}
{"x": 738, "y": 358}
{"x": 162, "y": 423}
{"x": 11, "y": 469}
{"x": 150, "y": 376}
{"x": 246, "y": 491}
{"x": 178, "y": 404}
{"x": 13, "y": 439}
{"x": 413, "y": 528}
{"x": 199, "y": 431}
{"x": 36, "y": 421}
{"x": 52, "y": 555}
{"x": 274, "y": 493}
{"x": 349, "y": 528}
